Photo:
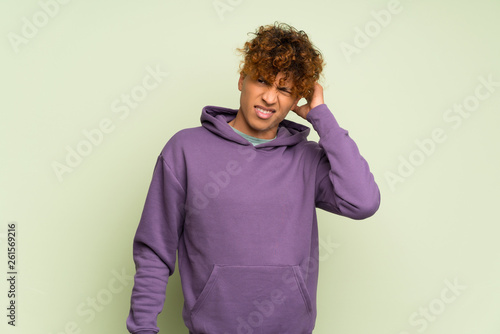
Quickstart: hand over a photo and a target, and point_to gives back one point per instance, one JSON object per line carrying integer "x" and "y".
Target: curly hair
{"x": 282, "y": 48}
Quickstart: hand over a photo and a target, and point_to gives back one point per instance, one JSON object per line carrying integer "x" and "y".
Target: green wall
{"x": 408, "y": 79}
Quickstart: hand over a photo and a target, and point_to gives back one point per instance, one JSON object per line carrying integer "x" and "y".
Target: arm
{"x": 344, "y": 183}
{"x": 154, "y": 248}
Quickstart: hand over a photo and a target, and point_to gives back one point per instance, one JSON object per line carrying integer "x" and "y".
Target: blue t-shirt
{"x": 253, "y": 140}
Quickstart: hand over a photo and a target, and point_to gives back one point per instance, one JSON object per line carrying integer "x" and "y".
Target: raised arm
{"x": 344, "y": 183}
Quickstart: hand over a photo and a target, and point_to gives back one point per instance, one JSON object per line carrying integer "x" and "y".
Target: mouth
{"x": 264, "y": 113}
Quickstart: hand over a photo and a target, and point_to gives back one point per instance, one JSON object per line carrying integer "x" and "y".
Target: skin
{"x": 258, "y": 93}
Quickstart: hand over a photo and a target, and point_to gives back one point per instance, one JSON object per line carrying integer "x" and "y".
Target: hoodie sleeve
{"x": 344, "y": 183}
{"x": 154, "y": 248}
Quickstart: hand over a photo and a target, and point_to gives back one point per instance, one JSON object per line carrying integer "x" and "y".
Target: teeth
{"x": 264, "y": 111}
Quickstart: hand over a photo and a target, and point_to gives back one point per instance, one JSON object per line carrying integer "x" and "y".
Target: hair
{"x": 282, "y": 48}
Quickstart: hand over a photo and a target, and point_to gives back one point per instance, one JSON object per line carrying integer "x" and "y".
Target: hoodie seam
{"x": 172, "y": 172}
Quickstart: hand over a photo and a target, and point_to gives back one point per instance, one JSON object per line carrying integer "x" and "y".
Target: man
{"x": 236, "y": 198}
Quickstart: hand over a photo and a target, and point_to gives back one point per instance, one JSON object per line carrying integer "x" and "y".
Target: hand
{"x": 316, "y": 99}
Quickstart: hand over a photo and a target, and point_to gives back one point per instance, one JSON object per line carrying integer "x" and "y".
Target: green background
{"x": 437, "y": 224}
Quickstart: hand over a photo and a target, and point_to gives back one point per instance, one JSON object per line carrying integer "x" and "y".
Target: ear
{"x": 240, "y": 81}
{"x": 295, "y": 103}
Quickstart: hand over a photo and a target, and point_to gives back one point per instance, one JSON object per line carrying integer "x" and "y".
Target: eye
{"x": 262, "y": 81}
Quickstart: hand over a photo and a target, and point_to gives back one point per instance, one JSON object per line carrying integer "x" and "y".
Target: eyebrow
{"x": 284, "y": 88}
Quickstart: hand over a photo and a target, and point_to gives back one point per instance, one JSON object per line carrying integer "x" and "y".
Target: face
{"x": 263, "y": 105}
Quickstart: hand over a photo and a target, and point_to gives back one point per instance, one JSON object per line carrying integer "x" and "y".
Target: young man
{"x": 236, "y": 198}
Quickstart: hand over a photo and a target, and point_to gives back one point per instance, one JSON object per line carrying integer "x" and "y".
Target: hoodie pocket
{"x": 252, "y": 300}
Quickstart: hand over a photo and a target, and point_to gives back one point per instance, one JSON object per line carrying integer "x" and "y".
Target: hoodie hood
{"x": 215, "y": 119}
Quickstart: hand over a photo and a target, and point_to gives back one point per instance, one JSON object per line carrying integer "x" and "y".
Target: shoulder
{"x": 309, "y": 151}
{"x": 184, "y": 138}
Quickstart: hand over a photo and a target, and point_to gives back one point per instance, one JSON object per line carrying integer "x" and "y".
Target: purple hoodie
{"x": 243, "y": 221}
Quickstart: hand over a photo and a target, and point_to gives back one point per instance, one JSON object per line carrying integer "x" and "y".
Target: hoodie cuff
{"x": 322, "y": 120}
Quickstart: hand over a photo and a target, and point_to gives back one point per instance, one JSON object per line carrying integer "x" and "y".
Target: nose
{"x": 270, "y": 95}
